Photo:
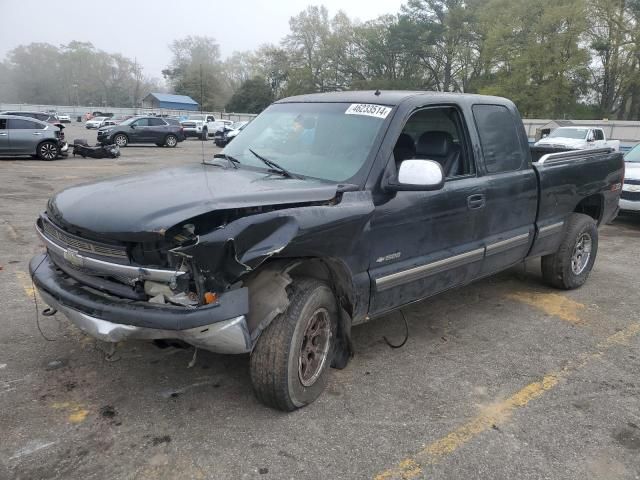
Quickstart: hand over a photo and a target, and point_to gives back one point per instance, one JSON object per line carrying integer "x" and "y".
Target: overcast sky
{"x": 143, "y": 29}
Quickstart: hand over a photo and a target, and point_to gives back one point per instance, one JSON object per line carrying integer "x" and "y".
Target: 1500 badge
{"x": 386, "y": 258}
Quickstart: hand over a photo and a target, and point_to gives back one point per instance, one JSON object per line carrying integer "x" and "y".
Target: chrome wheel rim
{"x": 121, "y": 141}
{"x": 581, "y": 253}
{"x": 49, "y": 151}
{"x": 315, "y": 347}
{"x": 171, "y": 141}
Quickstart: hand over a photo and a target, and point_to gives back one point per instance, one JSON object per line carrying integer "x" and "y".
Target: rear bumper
{"x": 220, "y": 328}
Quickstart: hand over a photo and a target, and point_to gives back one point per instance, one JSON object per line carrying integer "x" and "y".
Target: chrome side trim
{"x": 228, "y": 336}
{"x": 549, "y": 229}
{"x": 503, "y": 245}
{"x": 415, "y": 273}
{"x": 99, "y": 266}
{"x": 568, "y": 155}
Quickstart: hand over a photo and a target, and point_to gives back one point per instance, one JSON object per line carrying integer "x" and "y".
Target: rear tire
{"x": 291, "y": 360}
{"x": 570, "y": 266}
{"x": 48, "y": 151}
{"x": 171, "y": 141}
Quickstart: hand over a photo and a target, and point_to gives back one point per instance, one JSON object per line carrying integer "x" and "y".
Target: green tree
{"x": 195, "y": 70}
{"x": 535, "y": 54}
{"x": 253, "y": 96}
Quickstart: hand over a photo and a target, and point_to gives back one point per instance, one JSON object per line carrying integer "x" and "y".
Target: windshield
{"x": 197, "y": 118}
{"x": 330, "y": 141}
{"x": 577, "y": 133}
{"x": 633, "y": 155}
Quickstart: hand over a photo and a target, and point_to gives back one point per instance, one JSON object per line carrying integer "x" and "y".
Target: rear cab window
{"x": 499, "y": 138}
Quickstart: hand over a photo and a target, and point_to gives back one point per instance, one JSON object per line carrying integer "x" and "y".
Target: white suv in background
{"x": 630, "y": 197}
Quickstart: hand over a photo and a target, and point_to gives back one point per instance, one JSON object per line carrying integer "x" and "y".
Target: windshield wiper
{"x": 275, "y": 167}
{"x": 234, "y": 162}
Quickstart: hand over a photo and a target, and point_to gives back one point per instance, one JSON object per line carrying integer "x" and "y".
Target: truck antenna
{"x": 202, "y": 138}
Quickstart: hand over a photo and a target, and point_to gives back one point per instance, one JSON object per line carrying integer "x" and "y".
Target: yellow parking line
{"x": 499, "y": 412}
{"x": 552, "y": 304}
{"x": 25, "y": 282}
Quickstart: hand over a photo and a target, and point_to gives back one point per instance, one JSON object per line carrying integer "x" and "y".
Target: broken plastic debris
{"x": 157, "y": 299}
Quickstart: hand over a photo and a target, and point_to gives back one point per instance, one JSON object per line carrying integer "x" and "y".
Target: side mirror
{"x": 416, "y": 175}
{"x": 133, "y": 125}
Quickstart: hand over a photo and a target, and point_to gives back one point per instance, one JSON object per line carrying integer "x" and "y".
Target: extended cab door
{"x": 426, "y": 242}
{"x": 511, "y": 186}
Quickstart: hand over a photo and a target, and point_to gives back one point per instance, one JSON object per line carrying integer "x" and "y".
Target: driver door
{"x": 427, "y": 242}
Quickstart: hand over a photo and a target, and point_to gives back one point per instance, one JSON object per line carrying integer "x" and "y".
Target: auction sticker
{"x": 368, "y": 109}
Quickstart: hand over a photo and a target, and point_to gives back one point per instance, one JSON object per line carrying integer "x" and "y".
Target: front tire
{"x": 570, "y": 266}
{"x": 48, "y": 151}
{"x": 291, "y": 360}
{"x": 121, "y": 140}
{"x": 171, "y": 141}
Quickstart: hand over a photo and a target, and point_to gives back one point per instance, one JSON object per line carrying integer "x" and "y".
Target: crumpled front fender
{"x": 227, "y": 253}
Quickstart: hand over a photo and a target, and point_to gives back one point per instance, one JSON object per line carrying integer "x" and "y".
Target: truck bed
{"x": 587, "y": 181}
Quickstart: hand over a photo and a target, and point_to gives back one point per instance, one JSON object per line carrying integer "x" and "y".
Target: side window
{"x": 20, "y": 124}
{"x": 436, "y": 134}
{"x": 156, "y": 122}
{"x": 498, "y": 137}
{"x": 143, "y": 122}
{"x": 599, "y": 134}
{"x": 3, "y": 123}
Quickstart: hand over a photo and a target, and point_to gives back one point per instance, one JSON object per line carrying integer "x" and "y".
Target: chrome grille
{"x": 65, "y": 239}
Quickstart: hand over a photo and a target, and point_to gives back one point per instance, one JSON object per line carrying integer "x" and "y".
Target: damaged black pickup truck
{"x": 326, "y": 211}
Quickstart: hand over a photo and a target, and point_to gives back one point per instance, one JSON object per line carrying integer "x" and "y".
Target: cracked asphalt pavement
{"x": 505, "y": 378}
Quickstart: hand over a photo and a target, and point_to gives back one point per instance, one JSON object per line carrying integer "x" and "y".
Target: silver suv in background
{"x": 28, "y": 136}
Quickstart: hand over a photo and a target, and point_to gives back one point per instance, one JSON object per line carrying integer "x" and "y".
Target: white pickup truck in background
{"x": 578, "y": 138}
{"x": 197, "y": 125}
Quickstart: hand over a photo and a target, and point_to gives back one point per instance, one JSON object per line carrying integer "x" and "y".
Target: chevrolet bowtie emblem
{"x": 73, "y": 257}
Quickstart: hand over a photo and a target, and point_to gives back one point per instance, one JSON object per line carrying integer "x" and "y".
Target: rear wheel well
{"x": 592, "y": 205}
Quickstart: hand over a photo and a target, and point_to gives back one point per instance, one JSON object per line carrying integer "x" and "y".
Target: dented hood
{"x": 141, "y": 207}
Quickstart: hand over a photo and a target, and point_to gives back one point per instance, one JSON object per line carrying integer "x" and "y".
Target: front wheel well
{"x": 270, "y": 289}
{"x": 592, "y": 205}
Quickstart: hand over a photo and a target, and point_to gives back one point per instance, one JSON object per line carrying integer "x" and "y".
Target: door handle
{"x": 3, "y": 134}
{"x": 36, "y": 133}
{"x": 475, "y": 202}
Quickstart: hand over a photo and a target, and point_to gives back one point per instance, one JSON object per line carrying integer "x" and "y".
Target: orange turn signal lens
{"x": 210, "y": 297}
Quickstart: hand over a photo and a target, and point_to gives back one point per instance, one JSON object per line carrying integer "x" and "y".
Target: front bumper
{"x": 220, "y": 328}
{"x": 629, "y": 205}
{"x": 192, "y": 131}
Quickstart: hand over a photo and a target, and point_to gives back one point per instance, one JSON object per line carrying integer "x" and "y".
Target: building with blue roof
{"x": 170, "y": 102}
